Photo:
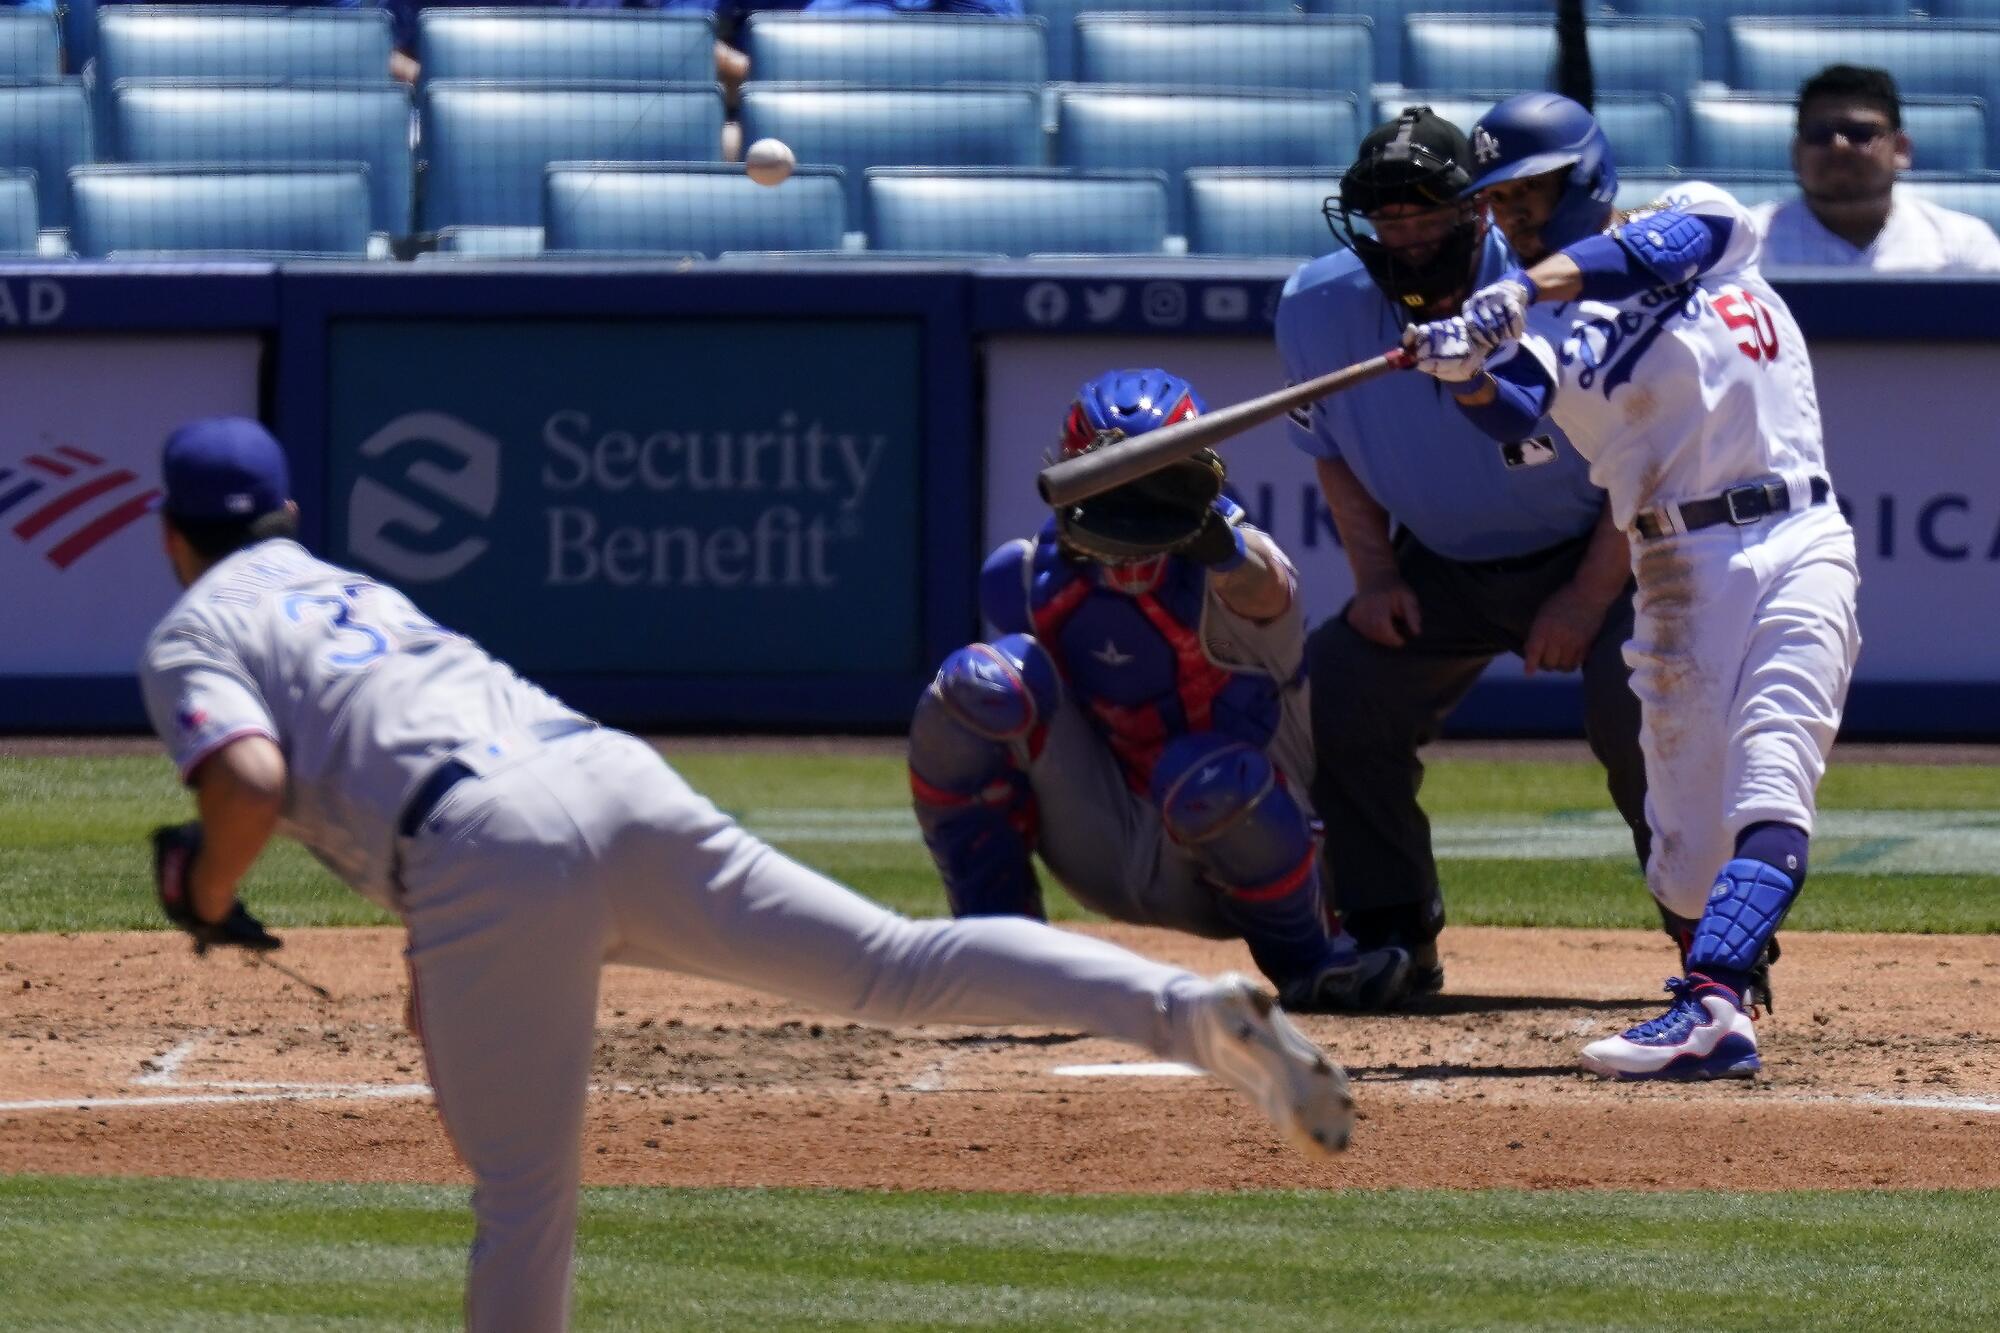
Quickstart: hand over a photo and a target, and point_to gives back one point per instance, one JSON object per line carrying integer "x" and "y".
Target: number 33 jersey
{"x": 1683, "y": 392}
{"x": 361, "y": 692}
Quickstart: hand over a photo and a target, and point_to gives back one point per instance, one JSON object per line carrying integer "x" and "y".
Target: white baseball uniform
{"x": 1745, "y": 635}
{"x": 1919, "y": 237}
{"x": 570, "y": 845}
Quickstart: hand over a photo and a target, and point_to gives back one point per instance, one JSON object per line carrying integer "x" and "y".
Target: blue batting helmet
{"x": 1130, "y": 402}
{"x": 1532, "y": 134}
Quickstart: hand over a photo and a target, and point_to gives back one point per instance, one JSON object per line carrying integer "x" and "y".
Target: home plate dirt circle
{"x": 123, "y": 1054}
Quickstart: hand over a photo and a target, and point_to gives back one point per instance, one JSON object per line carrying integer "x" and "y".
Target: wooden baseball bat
{"x": 1073, "y": 479}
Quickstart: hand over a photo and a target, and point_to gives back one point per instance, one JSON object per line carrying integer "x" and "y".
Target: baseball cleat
{"x": 1242, "y": 1037}
{"x": 1704, "y": 1034}
{"x": 1426, "y": 970}
{"x": 1367, "y": 983}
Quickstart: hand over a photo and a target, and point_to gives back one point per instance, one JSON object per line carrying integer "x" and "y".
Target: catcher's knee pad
{"x": 983, "y": 715}
{"x": 1745, "y": 908}
{"x": 1222, "y": 800}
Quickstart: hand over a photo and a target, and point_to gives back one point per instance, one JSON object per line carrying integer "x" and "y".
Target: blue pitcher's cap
{"x": 223, "y": 469}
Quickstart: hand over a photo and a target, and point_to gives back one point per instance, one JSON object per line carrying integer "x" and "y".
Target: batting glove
{"x": 1445, "y": 350}
{"x": 1498, "y": 313}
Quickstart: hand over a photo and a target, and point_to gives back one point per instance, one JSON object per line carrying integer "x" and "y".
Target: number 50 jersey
{"x": 1683, "y": 392}
{"x": 362, "y": 693}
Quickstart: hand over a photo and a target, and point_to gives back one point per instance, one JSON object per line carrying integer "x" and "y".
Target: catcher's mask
{"x": 1115, "y": 406}
{"x": 1401, "y": 210}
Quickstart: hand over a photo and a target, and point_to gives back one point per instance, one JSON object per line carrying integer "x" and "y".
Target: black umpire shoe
{"x": 1426, "y": 970}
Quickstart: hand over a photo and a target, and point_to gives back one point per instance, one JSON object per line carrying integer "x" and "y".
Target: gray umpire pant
{"x": 1372, "y": 707}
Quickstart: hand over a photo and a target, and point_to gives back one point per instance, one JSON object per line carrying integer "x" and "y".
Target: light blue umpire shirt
{"x": 1457, "y": 490}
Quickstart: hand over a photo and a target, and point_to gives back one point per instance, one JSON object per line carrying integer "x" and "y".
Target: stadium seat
{"x": 29, "y": 48}
{"x": 476, "y": 242}
{"x": 1714, "y": 16}
{"x": 486, "y": 145}
{"x": 1776, "y": 55}
{"x": 1061, "y": 16}
{"x": 45, "y": 128}
{"x": 1102, "y": 128}
{"x": 565, "y": 45}
{"x": 1387, "y": 17}
{"x": 905, "y": 51}
{"x": 1749, "y": 187}
{"x": 1963, "y": 11}
{"x": 302, "y": 210}
{"x": 1263, "y": 213}
{"x": 1976, "y": 192}
{"x": 239, "y": 42}
{"x": 1644, "y": 128}
{"x": 701, "y": 209}
{"x": 20, "y": 224}
{"x": 1291, "y": 54}
{"x": 1512, "y": 51}
{"x": 201, "y": 121}
{"x": 855, "y": 129}
{"x": 1753, "y": 131}
{"x": 1017, "y": 213}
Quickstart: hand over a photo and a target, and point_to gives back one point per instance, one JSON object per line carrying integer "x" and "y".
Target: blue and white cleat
{"x": 1704, "y": 1034}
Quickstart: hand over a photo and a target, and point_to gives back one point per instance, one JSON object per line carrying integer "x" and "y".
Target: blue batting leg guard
{"x": 1745, "y": 908}
{"x": 982, "y": 718}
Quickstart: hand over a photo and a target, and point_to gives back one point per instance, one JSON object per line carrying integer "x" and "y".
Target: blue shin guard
{"x": 987, "y": 709}
{"x": 1745, "y": 908}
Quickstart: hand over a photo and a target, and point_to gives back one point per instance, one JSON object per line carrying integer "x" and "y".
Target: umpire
{"x": 1462, "y": 549}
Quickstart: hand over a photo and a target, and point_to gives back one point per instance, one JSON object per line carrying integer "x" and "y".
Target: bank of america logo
{"x": 65, "y": 501}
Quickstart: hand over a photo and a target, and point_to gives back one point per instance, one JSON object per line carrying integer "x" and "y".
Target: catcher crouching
{"x": 1140, "y": 718}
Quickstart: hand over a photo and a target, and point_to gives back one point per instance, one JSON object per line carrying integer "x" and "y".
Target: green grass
{"x": 74, "y": 854}
{"x": 166, "y": 1255}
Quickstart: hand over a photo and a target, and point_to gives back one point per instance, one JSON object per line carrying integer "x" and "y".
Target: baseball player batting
{"x": 524, "y": 847}
{"x": 1140, "y": 719}
{"x": 1666, "y": 357}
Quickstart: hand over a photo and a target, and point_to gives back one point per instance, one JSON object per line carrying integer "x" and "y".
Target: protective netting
{"x": 1210, "y": 127}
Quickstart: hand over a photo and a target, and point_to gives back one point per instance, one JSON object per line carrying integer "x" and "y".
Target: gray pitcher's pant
{"x": 1373, "y": 707}
{"x": 524, "y": 884}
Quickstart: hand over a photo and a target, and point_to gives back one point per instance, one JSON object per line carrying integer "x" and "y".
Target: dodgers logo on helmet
{"x": 1533, "y": 134}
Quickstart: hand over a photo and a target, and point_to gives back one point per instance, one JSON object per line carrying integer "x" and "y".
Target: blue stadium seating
{"x": 1292, "y": 54}
{"x": 1102, "y": 127}
{"x": 1387, "y": 17}
{"x": 553, "y": 45}
{"x": 1969, "y": 11}
{"x": 855, "y": 129}
{"x": 46, "y": 128}
{"x": 1714, "y": 16}
{"x": 1644, "y": 128}
{"x": 1502, "y": 51}
{"x": 1260, "y": 212}
{"x": 1775, "y": 55}
{"x": 1752, "y": 131}
{"x": 1017, "y": 213}
{"x": 29, "y": 47}
{"x": 1061, "y": 15}
{"x": 1977, "y": 193}
{"x": 202, "y": 121}
{"x": 229, "y": 42}
{"x": 701, "y": 209}
{"x": 1749, "y": 187}
{"x": 486, "y": 145}
{"x": 20, "y": 227}
{"x": 78, "y": 19}
{"x": 482, "y": 242}
{"x": 304, "y": 210}
{"x": 894, "y": 50}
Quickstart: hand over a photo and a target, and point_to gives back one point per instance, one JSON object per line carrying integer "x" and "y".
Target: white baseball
{"x": 769, "y": 162}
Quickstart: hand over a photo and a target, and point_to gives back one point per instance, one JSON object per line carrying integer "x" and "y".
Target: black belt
{"x": 1740, "y": 505}
{"x": 452, "y": 772}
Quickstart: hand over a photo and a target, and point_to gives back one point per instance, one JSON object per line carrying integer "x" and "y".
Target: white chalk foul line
{"x": 355, "y": 1092}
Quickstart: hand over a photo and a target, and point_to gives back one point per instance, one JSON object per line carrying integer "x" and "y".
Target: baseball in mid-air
{"x": 769, "y": 162}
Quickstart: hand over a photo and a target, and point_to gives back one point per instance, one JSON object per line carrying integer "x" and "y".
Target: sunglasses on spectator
{"x": 1860, "y": 133}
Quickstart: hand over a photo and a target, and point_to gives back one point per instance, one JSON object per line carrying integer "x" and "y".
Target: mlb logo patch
{"x": 1529, "y": 453}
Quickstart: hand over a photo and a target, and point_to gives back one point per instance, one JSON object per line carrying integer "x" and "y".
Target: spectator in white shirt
{"x": 1849, "y": 148}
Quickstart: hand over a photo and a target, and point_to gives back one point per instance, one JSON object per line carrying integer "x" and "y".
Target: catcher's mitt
{"x": 1168, "y": 512}
{"x": 175, "y": 847}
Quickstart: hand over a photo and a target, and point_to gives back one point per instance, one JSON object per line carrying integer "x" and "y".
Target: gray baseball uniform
{"x": 562, "y": 846}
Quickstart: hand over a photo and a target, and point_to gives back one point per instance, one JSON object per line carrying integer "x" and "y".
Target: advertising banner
{"x": 82, "y": 576}
{"x": 1914, "y": 452}
{"x": 658, "y": 496}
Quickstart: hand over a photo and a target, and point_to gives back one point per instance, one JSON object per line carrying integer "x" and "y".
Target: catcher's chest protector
{"x": 1136, "y": 661}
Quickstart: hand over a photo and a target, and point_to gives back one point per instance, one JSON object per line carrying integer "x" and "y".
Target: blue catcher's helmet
{"x": 1130, "y": 402}
{"x": 1531, "y": 134}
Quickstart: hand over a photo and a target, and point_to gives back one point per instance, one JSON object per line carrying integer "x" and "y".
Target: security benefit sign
{"x": 672, "y": 496}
